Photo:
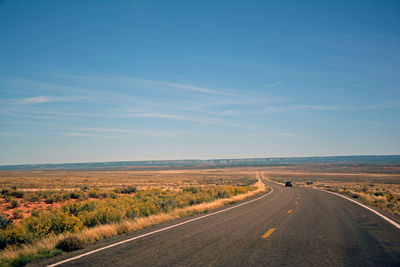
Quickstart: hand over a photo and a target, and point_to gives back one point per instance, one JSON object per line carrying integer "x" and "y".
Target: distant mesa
{"x": 216, "y": 163}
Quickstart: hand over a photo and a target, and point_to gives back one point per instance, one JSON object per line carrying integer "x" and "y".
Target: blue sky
{"x": 84, "y": 81}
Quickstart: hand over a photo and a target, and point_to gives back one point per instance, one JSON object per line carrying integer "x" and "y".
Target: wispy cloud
{"x": 165, "y": 84}
{"x": 274, "y": 84}
{"x": 158, "y": 116}
{"x": 34, "y": 100}
{"x": 130, "y": 132}
{"x": 47, "y": 99}
{"x": 47, "y": 86}
{"x": 291, "y": 108}
{"x": 144, "y": 82}
{"x": 118, "y": 133}
{"x": 187, "y": 118}
{"x": 378, "y": 123}
{"x": 194, "y": 88}
{"x": 318, "y": 107}
{"x": 264, "y": 134}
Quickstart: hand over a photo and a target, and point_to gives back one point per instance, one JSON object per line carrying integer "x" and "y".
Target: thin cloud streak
{"x": 153, "y": 132}
{"x": 139, "y": 81}
{"x": 34, "y": 100}
{"x": 185, "y": 87}
{"x": 264, "y": 134}
{"x": 274, "y": 84}
{"x": 378, "y": 123}
{"x": 47, "y": 99}
{"x": 193, "y": 119}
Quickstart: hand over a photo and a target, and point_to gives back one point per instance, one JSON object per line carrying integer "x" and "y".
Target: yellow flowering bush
{"x": 73, "y": 217}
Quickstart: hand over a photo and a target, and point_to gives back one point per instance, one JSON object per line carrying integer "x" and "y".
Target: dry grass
{"x": 105, "y": 231}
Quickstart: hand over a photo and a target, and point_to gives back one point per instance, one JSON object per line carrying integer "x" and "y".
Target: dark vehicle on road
{"x": 288, "y": 183}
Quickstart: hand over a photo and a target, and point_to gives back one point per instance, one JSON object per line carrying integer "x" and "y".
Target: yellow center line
{"x": 268, "y": 233}
{"x": 296, "y": 202}
{"x": 289, "y": 211}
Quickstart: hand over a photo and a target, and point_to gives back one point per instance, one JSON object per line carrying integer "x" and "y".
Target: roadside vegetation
{"x": 76, "y": 218}
{"x": 373, "y": 195}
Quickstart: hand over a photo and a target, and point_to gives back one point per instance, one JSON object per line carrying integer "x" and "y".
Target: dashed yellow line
{"x": 289, "y": 211}
{"x": 268, "y": 233}
{"x": 296, "y": 202}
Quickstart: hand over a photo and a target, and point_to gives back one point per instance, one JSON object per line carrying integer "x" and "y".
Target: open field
{"x": 68, "y": 180}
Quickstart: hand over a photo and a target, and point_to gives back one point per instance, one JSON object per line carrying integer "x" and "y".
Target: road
{"x": 289, "y": 227}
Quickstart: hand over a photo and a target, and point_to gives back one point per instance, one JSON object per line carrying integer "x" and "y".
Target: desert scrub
{"x": 4, "y": 221}
{"x": 25, "y": 258}
{"x": 13, "y": 203}
{"x": 18, "y": 214}
{"x": 78, "y": 215}
{"x": 19, "y": 255}
{"x": 385, "y": 200}
{"x": 70, "y": 243}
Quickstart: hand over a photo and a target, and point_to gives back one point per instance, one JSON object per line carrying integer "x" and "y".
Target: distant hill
{"x": 390, "y": 160}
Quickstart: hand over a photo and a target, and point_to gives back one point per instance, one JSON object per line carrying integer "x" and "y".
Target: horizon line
{"x": 194, "y": 159}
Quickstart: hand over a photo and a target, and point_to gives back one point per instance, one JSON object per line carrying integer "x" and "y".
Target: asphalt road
{"x": 289, "y": 227}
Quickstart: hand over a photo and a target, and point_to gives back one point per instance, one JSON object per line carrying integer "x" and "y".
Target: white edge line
{"x": 157, "y": 231}
{"x": 364, "y": 206}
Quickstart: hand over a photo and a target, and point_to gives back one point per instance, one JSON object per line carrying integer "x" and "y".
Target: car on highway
{"x": 288, "y": 183}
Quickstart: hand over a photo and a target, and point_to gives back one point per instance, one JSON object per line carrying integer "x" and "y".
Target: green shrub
{"x": 102, "y": 193}
{"x": 32, "y": 196}
{"x": 15, "y": 234}
{"x": 75, "y": 195}
{"x": 128, "y": 190}
{"x": 113, "y": 195}
{"x": 102, "y": 215}
{"x": 66, "y": 196}
{"x": 53, "y": 197}
{"x": 4, "y": 221}
{"x": 17, "y": 194}
{"x": 54, "y": 222}
{"x": 4, "y": 191}
{"x": 35, "y": 213}
{"x": 25, "y": 258}
{"x": 132, "y": 212}
{"x": 190, "y": 189}
{"x": 18, "y": 214}
{"x": 389, "y": 197}
{"x": 49, "y": 200}
{"x": 14, "y": 203}
{"x": 3, "y": 241}
{"x": 93, "y": 194}
{"x": 85, "y": 188}
{"x": 70, "y": 243}
{"x": 116, "y": 190}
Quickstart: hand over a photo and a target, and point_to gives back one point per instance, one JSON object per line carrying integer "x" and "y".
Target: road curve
{"x": 289, "y": 227}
